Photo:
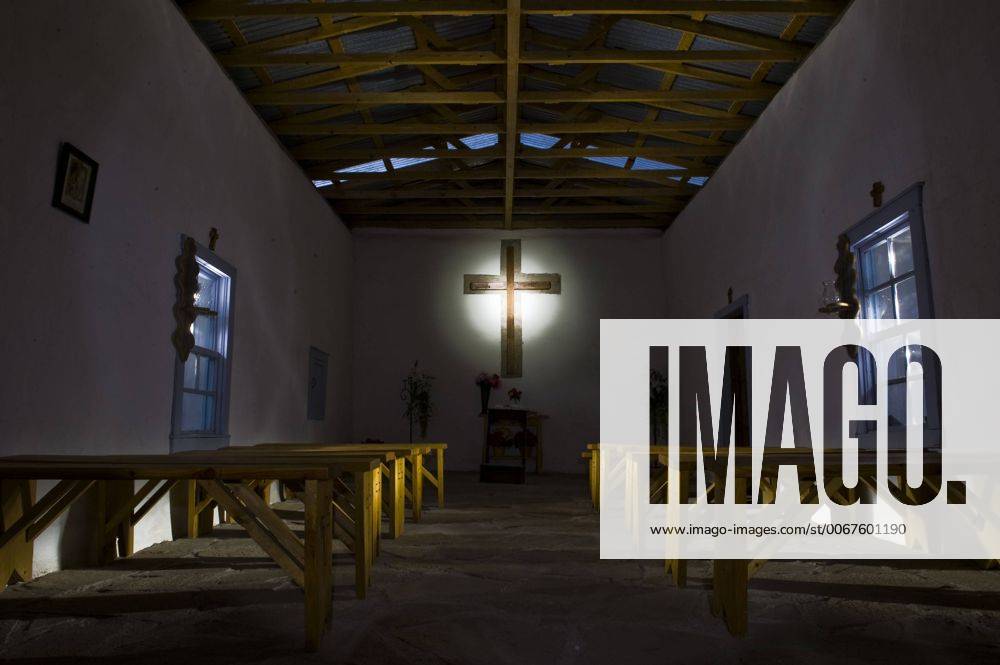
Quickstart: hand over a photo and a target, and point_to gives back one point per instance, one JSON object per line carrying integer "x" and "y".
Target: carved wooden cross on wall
{"x": 509, "y": 282}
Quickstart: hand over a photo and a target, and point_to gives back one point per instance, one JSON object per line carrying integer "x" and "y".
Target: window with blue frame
{"x": 201, "y": 384}
{"x": 894, "y": 283}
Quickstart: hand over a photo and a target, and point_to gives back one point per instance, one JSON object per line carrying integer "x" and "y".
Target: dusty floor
{"x": 504, "y": 574}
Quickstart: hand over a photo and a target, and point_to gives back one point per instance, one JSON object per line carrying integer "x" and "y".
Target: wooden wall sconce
{"x": 846, "y": 306}
{"x": 185, "y": 311}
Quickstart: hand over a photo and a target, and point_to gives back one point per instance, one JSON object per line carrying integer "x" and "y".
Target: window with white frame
{"x": 894, "y": 283}
{"x": 201, "y": 384}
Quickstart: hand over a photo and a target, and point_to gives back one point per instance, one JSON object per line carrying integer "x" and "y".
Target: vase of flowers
{"x": 416, "y": 394}
{"x": 486, "y": 383}
{"x": 514, "y": 396}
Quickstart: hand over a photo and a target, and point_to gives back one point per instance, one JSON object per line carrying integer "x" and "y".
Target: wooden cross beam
{"x": 510, "y": 282}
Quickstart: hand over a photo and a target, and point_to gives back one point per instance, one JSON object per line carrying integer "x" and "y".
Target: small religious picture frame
{"x": 76, "y": 177}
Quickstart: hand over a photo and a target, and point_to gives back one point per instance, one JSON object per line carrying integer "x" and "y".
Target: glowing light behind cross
{"x": 510, "y": 283}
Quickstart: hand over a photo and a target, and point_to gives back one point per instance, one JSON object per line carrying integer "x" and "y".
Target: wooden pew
{"x": 355, "y": 502}
{"x": 437, "y": 478}
{"x": 414, "y": 468}
{"x": 309, "y": 563}
{"x": 731, "y": 578}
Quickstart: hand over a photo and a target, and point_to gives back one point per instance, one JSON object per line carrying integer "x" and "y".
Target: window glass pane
{"x": 896, "y": 400}
{"x": 208, "y": 290}
{"x": 197, "y": 413}
{"x": 876, "y": 265}
{"x": 204, "y": 331}
{"x": 191, "y": 371}
{"x": 906, "y": 299}
{"x": 200, "y": 372}
{"x": 880, "y": 305}
{"x": 902, "y": 253}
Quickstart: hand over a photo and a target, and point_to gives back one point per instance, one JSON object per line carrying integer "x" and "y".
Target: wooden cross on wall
{"x": 509, "y": 282}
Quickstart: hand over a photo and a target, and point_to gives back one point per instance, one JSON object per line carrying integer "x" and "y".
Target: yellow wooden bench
{"x": 221, "y": 479}
{"x": 355, "y": 501}
{"x": 730, "y": 578}
{"x": 412, "y": 459}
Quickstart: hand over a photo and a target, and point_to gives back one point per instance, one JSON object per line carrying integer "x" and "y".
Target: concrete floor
{"x": 505, "y": 574}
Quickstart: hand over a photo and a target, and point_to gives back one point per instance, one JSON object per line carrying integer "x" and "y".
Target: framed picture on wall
{"x": 76, "y": 177}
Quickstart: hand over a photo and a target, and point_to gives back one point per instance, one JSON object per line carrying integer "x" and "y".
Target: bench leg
{"x": 677, "y": 569}
{"x": 376, "y": 509}
{"x": 439, "y": 472}
{"x": 417, "y": 484}
{"x": 17, "y": 556}
{"x": 113, "y": 541}
{"x": 395, "y": 495}
{"x": 318, "y": 560}
{"x": 363, "y": 489}
{"x": 186, "y": 521}
{"x": 730, "y": 581}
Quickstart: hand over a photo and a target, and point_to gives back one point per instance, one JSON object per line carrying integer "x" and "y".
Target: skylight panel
{"x": 403, "y": 162}
{"x": 480, "y": 141}
{"x": 376, "y": 166}
{"x": 543, "y": 141}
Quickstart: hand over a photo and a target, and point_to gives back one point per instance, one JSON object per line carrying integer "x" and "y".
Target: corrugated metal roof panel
{"x": 383, "y": 40}
{"x": 212, "y": 34}
{"x": 744, "y": 69}
{"x": 269, "y": 113}
{"x": 780, "y": 72}
{"x": 394, "y": 112}
{"x": 633, "y": 112}
{"x": 393, "y": 80}
{"x": 285, "y": 72}
{"x": 460, "y": 27}
{"x": 815, "y": 29}
{"x": 565, "y": 70}
{"x": 540, "y": 114}
{"x": 256, "y": 29}
{"x": 630, "y": 76}
{"x": 753, "y": 108}
{"x": 702, "y": 43}
{"x": 480, "y": 114}
{"x": 310, "y": 47}
{"x": 641, "y": 36}
{"x": 243, "y": 77}
{"x": 568, "y": 27}
{"x": 672, "y": 116}
{"x": 685, "y": 83}
{"x": 765, "y": 24}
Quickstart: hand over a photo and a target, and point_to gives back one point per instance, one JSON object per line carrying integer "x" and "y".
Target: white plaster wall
{"x": 87, "y": 359}
{"x": 901, "y": 91}
{"x": 410, "y": 306}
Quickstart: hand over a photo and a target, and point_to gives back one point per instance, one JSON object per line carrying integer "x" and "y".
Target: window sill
{"x": 180, "y": 444}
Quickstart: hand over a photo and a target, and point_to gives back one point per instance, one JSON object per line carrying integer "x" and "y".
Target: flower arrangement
{"x": 416, "y": 394}
{"x": 491, "y": 380}
{"x": 486, "y": 383}
{"x": 514, "y": 395}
